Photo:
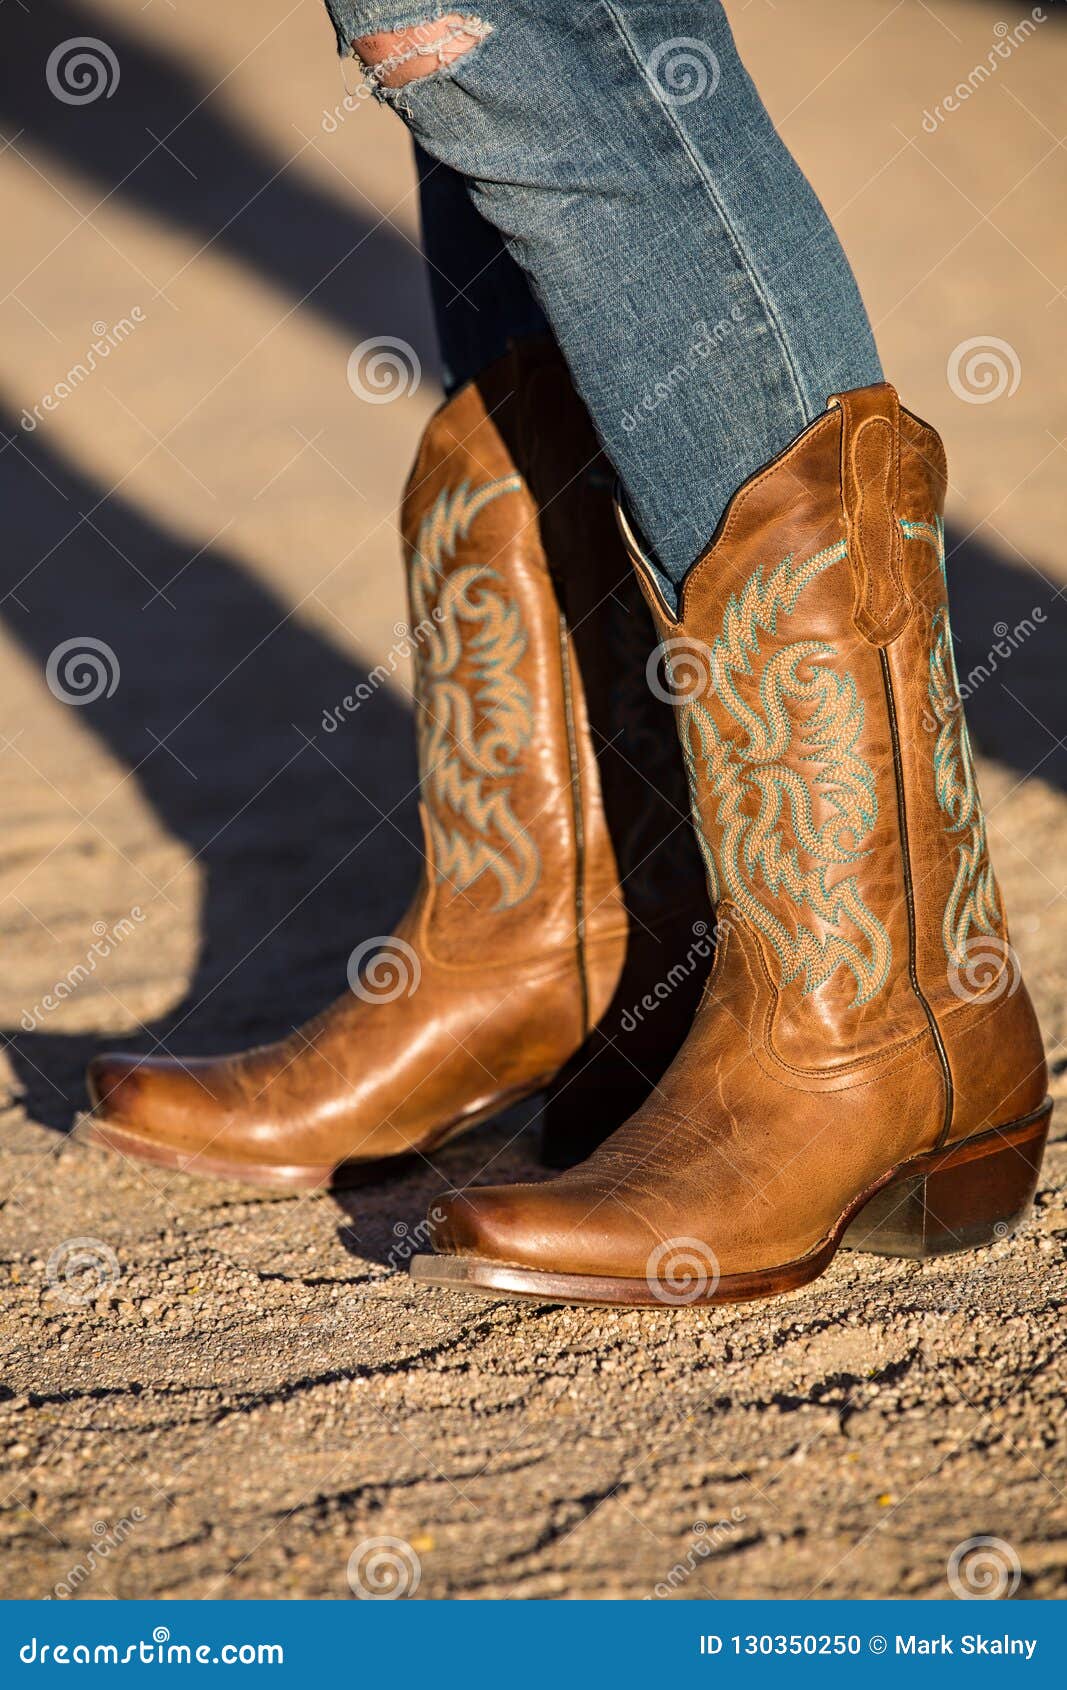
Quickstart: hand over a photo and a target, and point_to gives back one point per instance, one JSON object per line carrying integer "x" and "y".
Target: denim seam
{"x": 756, "y": 281}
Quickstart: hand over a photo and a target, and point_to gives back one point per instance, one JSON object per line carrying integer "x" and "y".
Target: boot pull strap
{"x": 870, "y": 490}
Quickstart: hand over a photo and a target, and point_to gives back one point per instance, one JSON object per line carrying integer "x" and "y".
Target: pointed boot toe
{"x": 158, "y": 1110}
{"x": 566, "y": 1240}
{"x": 468, "y": 1222}
{"x": 111, "y": 1080}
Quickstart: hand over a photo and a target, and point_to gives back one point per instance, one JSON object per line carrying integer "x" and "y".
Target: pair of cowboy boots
{"x": 864, "y": 1066}
{"x": 561, "y": 884}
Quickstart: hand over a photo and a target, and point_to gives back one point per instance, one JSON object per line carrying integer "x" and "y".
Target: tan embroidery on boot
{"x": 475, "y": 714}
{"x": 974, "y": 902}
{"x": 794, "y": 799}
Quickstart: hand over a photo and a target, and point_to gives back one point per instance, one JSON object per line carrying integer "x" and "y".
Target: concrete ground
{"x": 256, "y": 1392}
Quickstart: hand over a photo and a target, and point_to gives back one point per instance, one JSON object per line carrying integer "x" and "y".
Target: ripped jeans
{"x": 626, "y": 165}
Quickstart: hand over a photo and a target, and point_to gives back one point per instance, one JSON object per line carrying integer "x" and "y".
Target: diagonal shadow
{"x": 1010, "y": 660}
{"x": 213, "y": 665}
{"x": 215, "y": 182}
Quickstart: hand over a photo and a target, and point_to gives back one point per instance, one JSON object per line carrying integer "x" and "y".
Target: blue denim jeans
{"x": 481, "y": 299}
{"x": 692, "y": 279}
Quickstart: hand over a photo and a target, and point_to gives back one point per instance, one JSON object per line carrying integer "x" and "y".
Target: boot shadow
{"x": 386, "y": 1213}
{"x": 1009, "y": 623}
{"x": 218, "y": 717}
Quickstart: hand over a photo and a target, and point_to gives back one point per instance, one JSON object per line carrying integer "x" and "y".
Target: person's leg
{"x": 690, "y": 274}
{"x": 482, "y": 302}
{"x": 837, "y": 1082}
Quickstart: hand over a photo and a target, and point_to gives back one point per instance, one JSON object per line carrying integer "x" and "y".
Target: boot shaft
{"x": 554, "y": 805}
{"x": 831, "y": 774}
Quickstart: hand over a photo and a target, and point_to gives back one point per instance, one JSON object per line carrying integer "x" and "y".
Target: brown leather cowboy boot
{"x": 865, "y": 1066}
{"x": 561, "y": 873}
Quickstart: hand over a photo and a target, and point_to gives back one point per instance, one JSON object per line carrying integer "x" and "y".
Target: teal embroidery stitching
{"x": 973, "y": 904}
{"x": 473, "y": 728}
{"x": 749, "y": 765}
{"x": 932, "y": 533}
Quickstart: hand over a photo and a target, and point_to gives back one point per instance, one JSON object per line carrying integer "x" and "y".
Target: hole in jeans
{"x": 395, "y": 57}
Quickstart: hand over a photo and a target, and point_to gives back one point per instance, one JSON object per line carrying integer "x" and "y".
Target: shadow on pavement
{"x": 218, "y": 717}
{"x": 211, "y": 179}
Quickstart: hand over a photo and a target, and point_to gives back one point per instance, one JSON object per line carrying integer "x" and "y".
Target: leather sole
{"x": 99, "y": 1131}
{"x": 960, "y": 1198}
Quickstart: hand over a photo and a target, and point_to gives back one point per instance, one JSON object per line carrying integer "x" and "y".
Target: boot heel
{"x": 959, "y": 1198}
